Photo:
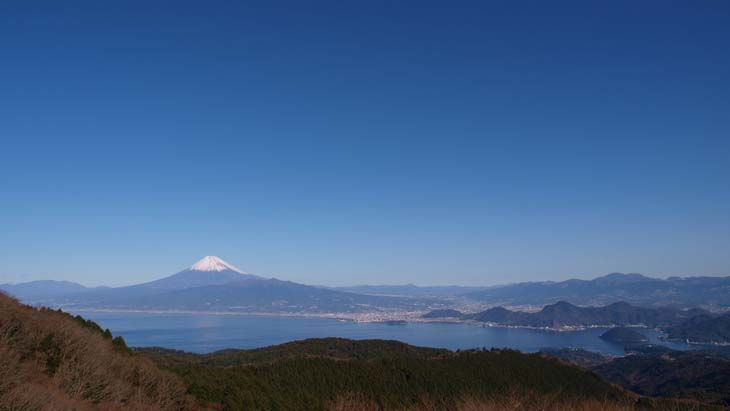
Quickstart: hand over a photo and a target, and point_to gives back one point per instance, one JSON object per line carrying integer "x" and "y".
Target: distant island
{"x": 624, "y": 335}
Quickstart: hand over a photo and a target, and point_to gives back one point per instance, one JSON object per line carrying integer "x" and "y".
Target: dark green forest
{"x": 388, "y": 375}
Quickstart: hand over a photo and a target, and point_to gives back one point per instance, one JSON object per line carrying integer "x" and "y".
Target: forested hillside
{"x": 700, "y": 375}
{"x": 346, "y": 375}
{"x": 564, "y": 314}
{"x": 703, "y": 329}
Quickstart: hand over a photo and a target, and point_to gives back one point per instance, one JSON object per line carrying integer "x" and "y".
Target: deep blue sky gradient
{"x": 364, "y": 142}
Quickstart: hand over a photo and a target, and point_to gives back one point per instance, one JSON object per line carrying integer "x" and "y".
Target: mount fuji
{"x": 214, "y": 285}
{"x": 210, "y": 270}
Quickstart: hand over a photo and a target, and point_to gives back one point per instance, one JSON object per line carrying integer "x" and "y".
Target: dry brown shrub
{"x": 49, "y": 362}
{"x": 514, "y": 401}
{"x": 353, "y": 402}
{"x": 531, "y": 402}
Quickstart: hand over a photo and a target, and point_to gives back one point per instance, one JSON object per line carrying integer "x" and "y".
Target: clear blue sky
{"x": 364, "y": 142}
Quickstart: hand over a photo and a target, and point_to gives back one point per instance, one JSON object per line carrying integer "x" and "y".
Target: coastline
{"x": 691, "y": 342}
{"x": 401, "y": 317}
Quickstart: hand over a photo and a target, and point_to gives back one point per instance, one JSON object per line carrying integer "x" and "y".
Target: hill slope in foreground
{"x": 53, "y": 361}
{"x": 50, "y": 360}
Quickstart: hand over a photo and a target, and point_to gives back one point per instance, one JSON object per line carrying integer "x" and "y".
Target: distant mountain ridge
{"x": 624, "y": 335}
{"x": 637, "y": 289}
{"x": 708, "y": 292}
{"x": 258, "y": 295}
{"x": 564, "y": 314}
{"x": 42, "y": 288}
{"x": 213, "y": 285}
{"x": 220, "y": 286}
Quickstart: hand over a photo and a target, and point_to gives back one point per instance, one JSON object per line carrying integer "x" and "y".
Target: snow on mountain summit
{"x": 213, "y": 263}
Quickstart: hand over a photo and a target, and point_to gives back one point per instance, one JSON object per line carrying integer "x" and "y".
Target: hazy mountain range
{"x": 211, "y": 284}
{"x": 42, "y": 288}
{"x": 708, "y": 292}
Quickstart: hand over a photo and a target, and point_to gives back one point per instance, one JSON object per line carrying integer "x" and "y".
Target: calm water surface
{"x": 205, "y": 333}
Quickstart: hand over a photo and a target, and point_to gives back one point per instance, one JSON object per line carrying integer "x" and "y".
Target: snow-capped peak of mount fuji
{"x": 213, "y": 263}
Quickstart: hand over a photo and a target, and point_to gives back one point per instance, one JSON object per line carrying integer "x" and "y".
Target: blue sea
{"x": 202, "y": 333}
